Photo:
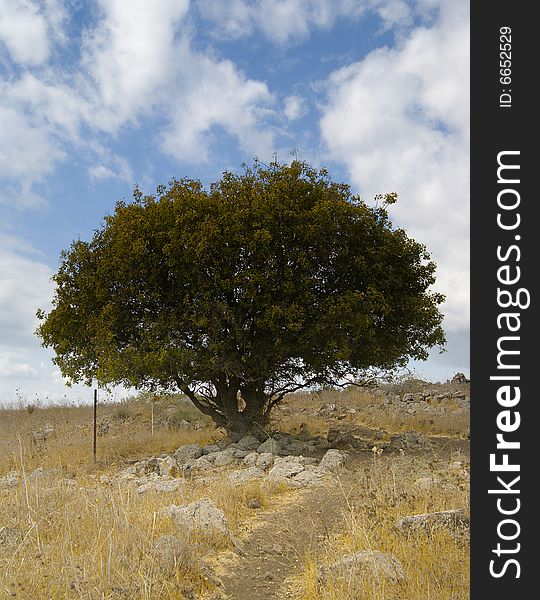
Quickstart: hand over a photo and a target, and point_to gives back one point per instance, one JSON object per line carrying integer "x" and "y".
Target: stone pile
{"x": 248, "y": 459}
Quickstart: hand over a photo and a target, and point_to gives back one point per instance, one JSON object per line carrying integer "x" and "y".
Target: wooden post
{"x": 95, "y": 424}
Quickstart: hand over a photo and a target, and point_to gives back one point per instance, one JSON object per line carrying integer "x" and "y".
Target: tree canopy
{"x": 267, "y": 282}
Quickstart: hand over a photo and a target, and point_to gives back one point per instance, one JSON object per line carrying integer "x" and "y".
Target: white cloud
{"x": 294, "y": 107}
{"x": 108, "y": 165}
{"x": 136, "y": 62}
{"x": 26, "y": 148}
{"x": 291, "y": 21}
{"x": 25, "y": 286}
{"x": 399, "y": 121}
{"x": 24, "y": 31}
{"x": 216, "y": 94}
{"x": 131, "y": 57}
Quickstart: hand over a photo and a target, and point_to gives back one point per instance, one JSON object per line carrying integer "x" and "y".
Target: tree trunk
{"x": 228, "y": 414}
{"x": 249, "y": 420}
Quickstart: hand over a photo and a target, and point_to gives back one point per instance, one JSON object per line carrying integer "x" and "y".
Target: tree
{"x": 266, "y": 283}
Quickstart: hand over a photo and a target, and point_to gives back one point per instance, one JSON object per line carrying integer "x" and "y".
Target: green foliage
{"x": 266, "y": 282}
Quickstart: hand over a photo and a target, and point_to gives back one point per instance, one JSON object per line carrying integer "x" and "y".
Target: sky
{"x": 98, "y": 96}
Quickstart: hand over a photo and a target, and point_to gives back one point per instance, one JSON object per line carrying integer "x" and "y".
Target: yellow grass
{"x": 86, "y": 539}
{"x": 436, "y": 565}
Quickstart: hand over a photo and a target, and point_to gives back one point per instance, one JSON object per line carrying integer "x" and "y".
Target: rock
{"x": 333, "y": 460}
{"x": 243, "y": 475}
{"x": 425, "y": 523}
{"x": 310, "y": 476}
{"x": 150, "y": 465}
{"x": 254, "y": 503}
{"x": 304, "y": 434}
{"x": 270, "y": 445}
{"x": 211, "y": 448}
{"x": 201, "y": 515}
{"x": 168, "y": 466}
{"x": 185, "y": 453}
{"x": 248, "y": 442}
{"x": 171, "y": 554}
{"x": 365, "y": 563}
{"x": 251, "y": 458}
{"x": 284, "y": 468}
{"x": 9, "y": 480}
{"x": 10, "y": 537}
{"x": 264, "y": 460}
{"x": 170, "y": 485}
{"x": 199, "y": 464}
{"x": 459, "y": 378}
{"x": 224, "y": 458}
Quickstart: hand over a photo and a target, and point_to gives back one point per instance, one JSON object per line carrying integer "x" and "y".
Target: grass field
{"x": 70, "y": 529}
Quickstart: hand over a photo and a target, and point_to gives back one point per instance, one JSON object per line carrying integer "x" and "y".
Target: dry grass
{"x": 436, "y": 565}
{"x": 85, "y": 539}
{"x": 125, "y": 432}
{"x": 370, "y": 411}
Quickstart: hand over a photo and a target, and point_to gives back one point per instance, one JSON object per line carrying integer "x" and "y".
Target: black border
{"x": 494, "y": 129}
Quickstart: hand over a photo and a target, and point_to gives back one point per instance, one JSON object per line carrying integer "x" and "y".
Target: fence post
{"x": 95, "y": 424}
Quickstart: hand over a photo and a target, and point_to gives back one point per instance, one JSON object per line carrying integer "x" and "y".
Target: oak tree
{"x": 268, "y": 282}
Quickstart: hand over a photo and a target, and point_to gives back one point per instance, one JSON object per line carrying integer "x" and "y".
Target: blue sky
{"x": 97, "y": 96}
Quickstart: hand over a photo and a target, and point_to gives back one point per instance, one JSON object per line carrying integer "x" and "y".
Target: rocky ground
{"x": 329, "y": 506}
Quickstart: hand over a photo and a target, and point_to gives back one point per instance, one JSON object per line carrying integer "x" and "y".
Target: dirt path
{"x": 277, "y": 547}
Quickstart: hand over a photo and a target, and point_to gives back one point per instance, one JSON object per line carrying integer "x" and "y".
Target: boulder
{"x": 202, "y": 515}
{"x": 453, "y": 520}
{"x": 270, "y": 445}
{"x": 211, "y": 448}
{"x": 365, "y": 563}
{"x": 167, "y": 486}
{"x": 168, "y": 466}
{"x": 284, "y": 468}
{"x": 333, "y": 460}
{"x": 185, "y": 453}
{"x": 244, "y": 475}
{"x": 248, "y": 442}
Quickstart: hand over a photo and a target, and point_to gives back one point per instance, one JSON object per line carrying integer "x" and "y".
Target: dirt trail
{"x": 276, "y": 548}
